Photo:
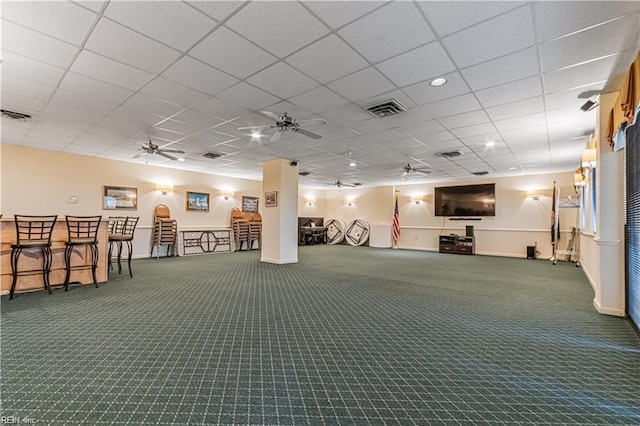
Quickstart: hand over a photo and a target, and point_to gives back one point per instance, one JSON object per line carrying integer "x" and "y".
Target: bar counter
{"x": 32, "y": 259}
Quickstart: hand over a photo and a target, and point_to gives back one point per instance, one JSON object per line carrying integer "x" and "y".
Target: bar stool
{"x": 126, "y": 236}
{"x": 115, "y": 228}
{"x": 83, "y": 232}
{"x": 32, "y": 232}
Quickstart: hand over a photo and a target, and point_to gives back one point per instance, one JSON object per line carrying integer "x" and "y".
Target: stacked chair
{"x": 247, "y": 229}
{"x": 255, "y": 230}
{"x": 165, "y": 231}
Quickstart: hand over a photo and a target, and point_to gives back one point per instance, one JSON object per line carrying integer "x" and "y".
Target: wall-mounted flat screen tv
{"x": 466, "y": 200}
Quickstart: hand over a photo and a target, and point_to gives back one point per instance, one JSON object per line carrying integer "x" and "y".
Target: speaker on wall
{"x": 469, "y": 231}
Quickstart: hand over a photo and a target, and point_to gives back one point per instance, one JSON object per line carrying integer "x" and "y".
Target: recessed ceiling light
{"x": 512, "y": 168}
{"x": 256, "y": 135}
{"x": 438, "y": 81}
{"x": 352, "y": 164}
{"x": 490, "y": 144}
{"x": 180, "y": 159}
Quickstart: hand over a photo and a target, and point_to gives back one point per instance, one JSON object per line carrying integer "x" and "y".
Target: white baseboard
{"x": 608, "y": 311}
{"x": 278, "y": 261}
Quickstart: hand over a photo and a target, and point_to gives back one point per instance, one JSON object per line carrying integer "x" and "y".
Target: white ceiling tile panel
{"x": 575, "y": 97}
{"x": 603, "y": 40}
{"x": 170, "y": 22}
{"x": 312, "y": 60}
{"x": 426, "y": 62}
{"x": 515, "y": 109}
{"x": 433, "y": 139}
{"x": 416, "y": 115}
{"x": 107, "y": 70}
{"x": 423, "y": 93}
{"x": 27, "y": 88}
{"x": 231, "y": 53}
{"x": 555, "y": 19}
{"x": 196, "y": 75}
{"x": 465, "y": 119}
{"x": 279, "y": 27}
{"x": 319, "y": 100}
{"x": 143, "y": 116}
{"x": 25, "y": 42}
{"x": 282, "y": 80}
{"x": 117, "y": 42}
{"x": 423, "y": 128}
{"x": 294, "y": 111}
{"x": 196, "y": 119}
{"x": 64, "y": 115}
{"x": 97, "y": 89}
{"x": 515, "y": 66}
{"x": 62, "y": 20}
{"x": 580, "y": 75}
{"x": 507, "y": 33}
{"x": 483, "y": 139}
{"x": 453, "y": 106}
{"x": 336, "y": 14}
{"x": 73, "y": 100}
{"x": 520, "y": 122}
{"x": 172, "y": 92}
{"x": 478, "y": 129}
{"x": 447, "y": 17}
{"x": 361, "y": 85}
{"x": 21, "y": 103}
{"x": 389, "y": 31}
{"x": 369, "y": 126}
{"x": 510, "y": 92}
{"x": 30, "y": 69}
{"x": 218, "y": 10}
{"x": 248, "y": 97}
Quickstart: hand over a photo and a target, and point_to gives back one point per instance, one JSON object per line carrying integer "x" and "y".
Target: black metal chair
{"x": 126, "y": 236}
{"x": 83, "y": 233}
{"x": 32, "y": 232}
{"x": 115, "y": 228}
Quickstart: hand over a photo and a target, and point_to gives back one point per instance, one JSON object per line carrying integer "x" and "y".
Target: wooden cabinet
{"x": 457, "y": 244}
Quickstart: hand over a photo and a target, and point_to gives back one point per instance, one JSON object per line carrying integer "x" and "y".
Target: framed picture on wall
{"x": 250, "y": 204}
{"x": 271, "y": 199}
{"x": 197, "y": 202}
{"x": 119, "y": 198}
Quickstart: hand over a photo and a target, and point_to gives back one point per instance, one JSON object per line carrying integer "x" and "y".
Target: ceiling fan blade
{"x": 175, "y": 151}
{"x": 255, "y": 127}
{"x": 422, "y": 170}
{"x": 309, "y": 134}
{"x": 166, "y": 155}
{"x": 276, "y": 136}
{"x": 313, "y": 121}
{"x": 271, "y": 115}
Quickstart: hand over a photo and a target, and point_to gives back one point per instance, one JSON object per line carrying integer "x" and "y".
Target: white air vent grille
{"x": 449, "y": 154}
{"x": 386, "y": 108}
{"x": 480, "y": 173}
{"x": 15, "y": 115}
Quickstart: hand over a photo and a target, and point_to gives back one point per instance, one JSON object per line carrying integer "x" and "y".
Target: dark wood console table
{"x": 457, "y": 244}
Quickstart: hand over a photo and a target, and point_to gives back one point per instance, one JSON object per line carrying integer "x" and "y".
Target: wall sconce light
{"x": 164, "y": 188}
{"x": 350, "y": 201}
{"x": 417, "y": 198}
{"x": 589, "y": 157}
{"x": 226, "y": 193}
{"x": 534, "y": 194}
{"x": 578, "y": 178}
{"x": 311, "y": 201}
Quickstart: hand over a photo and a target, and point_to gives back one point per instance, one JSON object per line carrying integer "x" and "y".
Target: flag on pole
{"x": 553, "y": 217}
{"x": 396, "y": 223}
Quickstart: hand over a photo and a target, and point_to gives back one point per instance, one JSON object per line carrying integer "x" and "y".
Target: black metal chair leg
{"x": 15, "y": 253}
{"x": 47, "y": 259}
{"x": 130, "y": 248}
{"x": 94, "y": 263}
{"x": 119, "y": 257}
{"x": 67, "y": 261}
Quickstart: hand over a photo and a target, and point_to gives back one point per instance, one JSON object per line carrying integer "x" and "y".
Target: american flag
{"x": 396, "y": 223}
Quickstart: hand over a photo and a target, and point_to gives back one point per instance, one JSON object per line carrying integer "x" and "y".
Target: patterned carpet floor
{"x": 346, "y": 336}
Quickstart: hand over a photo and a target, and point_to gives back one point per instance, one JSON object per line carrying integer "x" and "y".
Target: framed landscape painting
{"x": 197, "y": 202}
{"x": 119, "y": 198}
{"x": 250, "y": 204}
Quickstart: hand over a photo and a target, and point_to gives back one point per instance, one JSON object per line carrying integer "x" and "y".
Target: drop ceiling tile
{"x": 73, "y": 100}
{"x": 615, "y": 37}
{"x": 520, "y": 122}
{"x": 515, "y": 109}
{"x": 447, "y": 17}
{"x": 282, "y": 80}
{"x": 581, "y": 75}
{"x": 117, "y": 42}
{"x": 478, "y": 129}
{"x": 247, "y": 96}
{"x": 24, "y": 42}
{"x": 23, "y": 104}
{"x": 363, "y": 84}
{"x": 319, "y": 100}
{"x": 453, "y": 106}
{"x": 390, "y": 30}
{"x": 30, "y": 69}
{"x": 424, "y": 128}
{"x": 170, "y": 22}
{"x": 510, "y": 92}
{"x": 65, "y": 21}
{"x": 198, "y": 76}
{"x": 296, "y": 27}
{"x": 152, "y": 105}
{"x": 27, "y": 88}
{"x": 172, "y": 92}
{"x": 312, "y": 60}
{"x": 423, "y": 93}
{"x": 109, "y": 71}
{"x": 575, "y": 97}
{"x": 218, "y": 10}
{"x": 501, "y": 35}
{"x": 465, "y": 119}
{"x": 231, "y": 53}
{"x": 420, "y": 64}
{"x": 91, "y": 87}
{"x": 515, "y": 66}
{"x": 196, "y": 119}
{"x": 412, "y": 116}
{"x": 554, "y": 19}
{"x": 336, "y": 14}
{"x": 369, "y": 126}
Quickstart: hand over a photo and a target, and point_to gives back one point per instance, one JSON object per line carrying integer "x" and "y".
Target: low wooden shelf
{"x": 457, "y": 244}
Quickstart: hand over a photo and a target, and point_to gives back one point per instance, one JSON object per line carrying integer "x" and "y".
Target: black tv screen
{"x": 466, "y": 200}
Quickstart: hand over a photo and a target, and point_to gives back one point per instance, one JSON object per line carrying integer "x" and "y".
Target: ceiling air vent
{"x": 15, "y": 115}
{"x": 480, "y": 173}
{"x": 386, "y": 108}
{"x": 211, "y": 155}
{"x": 304, "y": 173}
{"x": 449, "y": 154}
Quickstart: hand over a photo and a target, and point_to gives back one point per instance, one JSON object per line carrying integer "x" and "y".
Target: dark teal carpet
{"x": 349, "y": 335}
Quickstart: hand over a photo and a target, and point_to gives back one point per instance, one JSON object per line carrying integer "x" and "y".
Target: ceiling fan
{"x": 340, "y": 184}
{"x": 151, "y": 148}
{"x": 408, "y": 169}
{"x": 284, "y": 123}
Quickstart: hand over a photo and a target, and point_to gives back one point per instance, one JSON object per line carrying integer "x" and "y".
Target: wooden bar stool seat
{"x": 32, "y": 232}
{"x": 83, "y": 233}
